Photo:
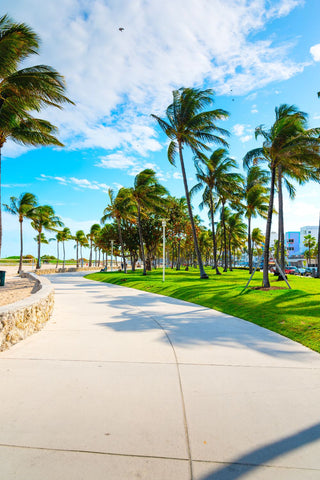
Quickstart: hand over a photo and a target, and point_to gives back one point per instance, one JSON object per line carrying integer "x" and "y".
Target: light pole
{"x": 164, "y": 249}
{"x": 111, "y": 254}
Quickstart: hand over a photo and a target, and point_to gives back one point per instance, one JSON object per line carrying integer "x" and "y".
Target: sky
{"x": 254, "y": 54}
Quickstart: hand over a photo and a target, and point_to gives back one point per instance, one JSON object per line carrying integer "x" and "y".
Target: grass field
{"x": 293, "y": 313}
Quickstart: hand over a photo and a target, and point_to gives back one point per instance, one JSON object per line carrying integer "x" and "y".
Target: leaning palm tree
{"x": 147, "y": 195}
{"x": 43, "y": 217}
{"x": 287, "y": 147}
{"x": 22, "y": 208}
{"x": 26, "y": 90}
{"x": 188, "y": 125}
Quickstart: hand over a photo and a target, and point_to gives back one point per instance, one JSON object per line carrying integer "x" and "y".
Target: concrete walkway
{"x": 124, "y": 385}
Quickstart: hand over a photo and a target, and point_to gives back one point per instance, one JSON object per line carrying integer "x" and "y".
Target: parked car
{"x": 290, "y": 270}
{"x": 310, "y": 271}
{"x": 300, "y": 271}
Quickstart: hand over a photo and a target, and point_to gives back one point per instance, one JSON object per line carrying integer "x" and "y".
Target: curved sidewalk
{"x": 123, "y": 384}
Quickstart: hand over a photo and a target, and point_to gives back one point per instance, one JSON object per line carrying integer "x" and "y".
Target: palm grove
{"x": 132, "y": 218}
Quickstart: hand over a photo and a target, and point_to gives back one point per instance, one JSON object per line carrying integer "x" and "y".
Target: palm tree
{"x": 119, "y": 208}
{"x": 94, "y": 230}
{"x": 65, "y": 236}
{"x": 25, "y": 90}
{"x": 236, "y": 231}
{"x": 257, "y": 238}
{"x": 21, "y": 207}
{"x": 83, "y": 242}
{"x": 256, "y": 200}
{"x": 213, "y": 174}
{"x": 310, "y": 242}
{"x": 287, "y": 147}
{"x": 79, "y": 237}
{"x": 43, "y": 217}
{"x": 58, "y": 239}
{"x": 147, "y": 195}
{"x": 187, "y": 124}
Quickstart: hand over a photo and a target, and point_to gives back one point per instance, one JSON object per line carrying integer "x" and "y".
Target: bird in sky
{"x": 121, "y": 29}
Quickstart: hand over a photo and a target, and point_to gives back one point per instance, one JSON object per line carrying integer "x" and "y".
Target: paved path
{"x": 124, "y": 385}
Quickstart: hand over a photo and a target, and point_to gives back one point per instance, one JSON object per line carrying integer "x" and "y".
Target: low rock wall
{"x": 20, "y": 319}
{"x": 50, "y": 271}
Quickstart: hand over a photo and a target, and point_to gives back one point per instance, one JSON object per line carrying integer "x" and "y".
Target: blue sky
{"x": 255, "y": 54}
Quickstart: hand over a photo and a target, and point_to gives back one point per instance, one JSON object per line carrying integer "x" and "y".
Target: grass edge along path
{"x": 294, "y": 313}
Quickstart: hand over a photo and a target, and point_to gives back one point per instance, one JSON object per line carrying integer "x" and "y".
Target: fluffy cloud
{"x": 315, "y": 52}
{"x": 118, "y": 78}
{"x": 243, "y": 131}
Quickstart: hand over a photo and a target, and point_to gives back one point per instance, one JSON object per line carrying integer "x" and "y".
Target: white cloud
{"x": 254, "y": 109}
{"x": 245, "y": 138}
{"x": 118, "y": 78}
{"x": 238, "y": 129}
{"x": 177, "y": 175}
{"x": 315, "y": 52}
{"x": 76, "y": 182}
{"x": 116, "y": 160}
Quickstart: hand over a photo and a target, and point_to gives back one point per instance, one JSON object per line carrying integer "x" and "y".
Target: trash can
{"x": 2, "y": 277}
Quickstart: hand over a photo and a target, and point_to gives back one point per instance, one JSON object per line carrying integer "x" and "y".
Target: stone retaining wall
{"x": 50, "y": 271}
{"x": 20, "y": 319}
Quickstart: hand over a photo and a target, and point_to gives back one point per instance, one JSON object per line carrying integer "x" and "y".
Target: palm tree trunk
{"x": 141, "y": 242}
{"x": 281, "y": 223}
{"x": 214, "y": 240}
{"x": 39, "y": 248}
{"x": 318, "y": 256}
{"x": 0, "y": 206}
{"x": 122, "y": 246}
{"x": 203, "y": 274}
{"x": 178, "y": 254}
{"x": 249, "y": 245}
{"x": 64, "y": 255}
{"x": 57, "y": 264}
{"x": 224, "y": 239}
{"x": 77, "y": 254}
{"x": 21, "y": 247}
{"x": 230, "y": 254}
{"x": 90, "y": 255}
{"x": 265, "y": 281}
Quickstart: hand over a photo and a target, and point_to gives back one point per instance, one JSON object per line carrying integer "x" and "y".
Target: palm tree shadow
{"x": 260, "y": 457}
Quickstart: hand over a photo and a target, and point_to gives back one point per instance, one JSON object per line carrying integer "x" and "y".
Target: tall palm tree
{"x": 215, "y": 176}
{"x": 255, "y": 200}
{"x": 43, "y": 217}
{"x": 94, "y": 230}
{"x": 309, "y": 242}
{"x": 287, "y": 147}
{"x": 21, "y": 207}
{"x": 148, "y": 196}
{"x": 58, "y": 239}
{"x": 188, "y": 125}
{"x": 257, "y": 238}
{"x": 83, "y": 242}
{"x": 236, "y": 231}
{"x": 25, "y": 90}
{"x": 65, "y": 236}
{"x": 79, "y": 237}
{"x": 120, "y": 207}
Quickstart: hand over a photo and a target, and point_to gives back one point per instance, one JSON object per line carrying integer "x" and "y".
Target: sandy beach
{"x": 15, "y": 288}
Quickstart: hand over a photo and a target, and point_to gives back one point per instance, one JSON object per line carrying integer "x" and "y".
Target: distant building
{"x": 292, "y": 243}
{"x": 308, "y": 230}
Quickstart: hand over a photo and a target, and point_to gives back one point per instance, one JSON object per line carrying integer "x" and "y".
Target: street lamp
{"x": 111, "y": 254}
{"x": 164, "y": 249}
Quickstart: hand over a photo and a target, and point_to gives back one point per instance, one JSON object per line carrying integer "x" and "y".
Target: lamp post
{"x": 111, "y": 254}
{"x": 164, "y": 249}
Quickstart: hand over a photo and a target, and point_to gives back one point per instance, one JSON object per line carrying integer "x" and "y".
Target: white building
{"x": 308, "y": 230}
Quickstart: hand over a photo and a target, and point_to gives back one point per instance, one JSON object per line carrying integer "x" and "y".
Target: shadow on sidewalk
{"x": 260, "y": 457}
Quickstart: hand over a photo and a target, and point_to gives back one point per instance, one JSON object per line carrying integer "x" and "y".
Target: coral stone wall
{"x": 50, "y": 271}
{"x": 20, "y": 319}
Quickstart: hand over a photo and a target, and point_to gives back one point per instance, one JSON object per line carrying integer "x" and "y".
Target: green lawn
{"x": 293, "y": 313}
